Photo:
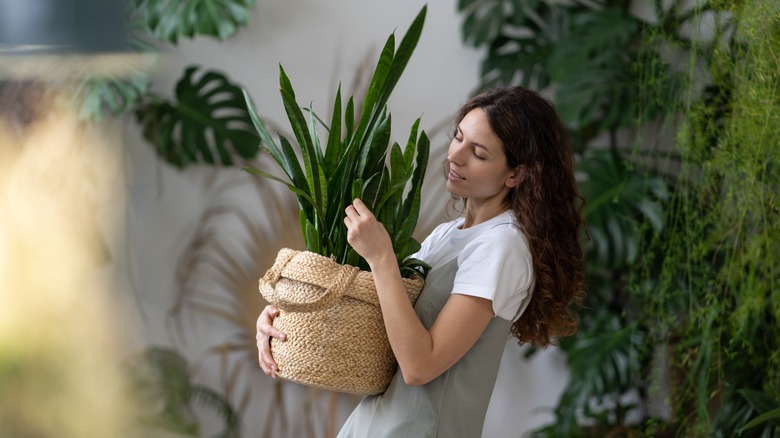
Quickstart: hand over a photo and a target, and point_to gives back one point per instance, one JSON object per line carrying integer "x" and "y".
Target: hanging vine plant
{"x": 687, "y": 272}
{"x": 730, "y": 327}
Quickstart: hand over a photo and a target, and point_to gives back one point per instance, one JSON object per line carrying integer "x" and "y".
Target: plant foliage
{"x": 160, "y": 377}
{"x": 169, "y": 20}
{"x": 208, "y": 122}
{"x": 682, "y": 266}
{"x": 121, "y": 91}
{"x": 588, "y": 49}
{"x": 353, "y": 162}
{"x": 620, "y": 201}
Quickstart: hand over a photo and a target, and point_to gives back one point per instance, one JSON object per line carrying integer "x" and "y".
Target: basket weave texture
{"x": 336, "y": 338}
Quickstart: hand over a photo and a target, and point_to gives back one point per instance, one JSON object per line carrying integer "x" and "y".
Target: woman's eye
{"x": 476, "y": 155}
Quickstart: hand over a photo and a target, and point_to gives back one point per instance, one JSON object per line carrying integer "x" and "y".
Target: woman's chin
{"x": 454, "y": 190}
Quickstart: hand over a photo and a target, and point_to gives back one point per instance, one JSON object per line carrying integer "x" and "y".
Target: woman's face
{"x": 477, "y": 166}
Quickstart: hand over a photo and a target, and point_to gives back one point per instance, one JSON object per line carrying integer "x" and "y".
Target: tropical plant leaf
{"x": 114, "y": 94}
{"x": 586, "y": 49}
{"x": 207, "y": 123}
{"x": 161, "y": 376}
{"x": 519, "y": 36}
{"x": 593, "y": 66}
{"x": 483, "y": 20}
{"x": 603, "y": 364}
{"x": 169, "y": 20}
{"x": 120, "y": 89}
{"x": 619, "y": 201}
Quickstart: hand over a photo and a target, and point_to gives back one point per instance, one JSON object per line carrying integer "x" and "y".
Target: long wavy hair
{"x": 547, "y": 205}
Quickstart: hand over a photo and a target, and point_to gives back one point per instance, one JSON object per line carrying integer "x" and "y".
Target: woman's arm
{"x": 422, "y": 354}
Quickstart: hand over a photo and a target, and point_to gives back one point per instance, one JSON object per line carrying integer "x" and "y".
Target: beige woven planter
{"x": 336, "y": 338}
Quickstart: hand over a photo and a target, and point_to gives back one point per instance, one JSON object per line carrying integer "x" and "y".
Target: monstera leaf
{"x": 604, "y": 364}
{"x": 512, "y": 55}
{"x": 593, "y": 67}
{"x": 125, "y": 82}
{"x": 619, "y": 201}
{"x": 168, "y": 20}
{"x": 519, "y": 34}
{"x": 120, "y": 90}
{"x": 207, "y": 123}
{"x": 115, "y": 94}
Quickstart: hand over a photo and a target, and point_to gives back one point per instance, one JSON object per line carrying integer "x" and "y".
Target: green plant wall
{"x": 719, "y": 274}
{"x": 680, "y": 333}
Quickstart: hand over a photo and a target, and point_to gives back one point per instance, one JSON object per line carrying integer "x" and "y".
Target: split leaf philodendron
{"x": 354, "y": 163}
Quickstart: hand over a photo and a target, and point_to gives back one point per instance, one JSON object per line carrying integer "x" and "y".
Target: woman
{"x": 510, "y": 265}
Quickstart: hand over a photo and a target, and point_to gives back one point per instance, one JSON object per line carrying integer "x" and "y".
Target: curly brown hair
{"x": 547, "y": 204}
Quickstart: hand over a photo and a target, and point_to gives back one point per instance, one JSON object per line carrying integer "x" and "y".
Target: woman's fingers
{"x": 266, "y": 330}
{"x": 361, "y": 208}
{"x": 265, "y": 359}
{"x": 365, "y": 234}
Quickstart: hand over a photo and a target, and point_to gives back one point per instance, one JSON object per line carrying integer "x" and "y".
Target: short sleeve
{"x": 497, "y": 266}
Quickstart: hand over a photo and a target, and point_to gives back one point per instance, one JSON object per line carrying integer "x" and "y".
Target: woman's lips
{"x": 452, "y": 176}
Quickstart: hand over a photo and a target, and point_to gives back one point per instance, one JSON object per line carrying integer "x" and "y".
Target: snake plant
{"x": 352, "y": 161}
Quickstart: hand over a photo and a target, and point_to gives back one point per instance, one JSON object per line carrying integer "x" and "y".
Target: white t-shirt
{"x": 494, "y": 261}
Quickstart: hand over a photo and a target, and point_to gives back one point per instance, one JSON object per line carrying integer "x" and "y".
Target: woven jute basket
{"x": 336, "y": 338}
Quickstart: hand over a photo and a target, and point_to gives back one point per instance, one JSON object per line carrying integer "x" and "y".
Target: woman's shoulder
{"x": 503, "y": 237}
{"x": 504, "y": 225}
{"x": 443, "y": 228}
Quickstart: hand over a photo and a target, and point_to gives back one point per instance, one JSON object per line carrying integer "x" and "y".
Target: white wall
{"x": 319, "y": 43}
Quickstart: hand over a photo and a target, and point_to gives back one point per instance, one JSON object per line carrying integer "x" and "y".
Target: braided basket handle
{"x": 333, "y": 291}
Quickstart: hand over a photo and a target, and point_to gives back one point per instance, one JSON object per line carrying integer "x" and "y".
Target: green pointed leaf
{"x": 357, "y": 189}
{"x": 333, "y": 149}
{"x": 299, "y": 125}
{"x": 355, "y": 166}
{"x": 373, "y": 153}
{"x": 318, "y": 159}
{"x": 402, "y": 55}
{"x": 397, "y": 169}
{"x": 771, "y": 416}
{"x": 388, "y": 79}
{"x": 312, "y": 238}
{"x": 377, "y": 84}
{"x": 290, "y": 158}
{"x": 302, "y": 195}
{"x": 349, "y": 121}
{"x": 411, "y": 147}
{"x": 421, "y": 164}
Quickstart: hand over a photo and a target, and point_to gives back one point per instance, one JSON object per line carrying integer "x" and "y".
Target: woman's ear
{"x": 514, "y": 178}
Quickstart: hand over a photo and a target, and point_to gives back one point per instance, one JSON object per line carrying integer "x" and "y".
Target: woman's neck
{"x": 477, "y": 214}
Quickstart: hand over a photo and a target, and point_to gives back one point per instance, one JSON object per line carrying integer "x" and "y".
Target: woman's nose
{"x": 455, "y": 152}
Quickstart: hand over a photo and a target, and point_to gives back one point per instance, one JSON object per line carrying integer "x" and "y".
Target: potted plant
{"x": 329, "y": 308}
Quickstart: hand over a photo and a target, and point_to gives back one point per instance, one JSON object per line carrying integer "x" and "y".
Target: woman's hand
{"x": 265, "y": 331}
{"x": 365, "y": 234}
